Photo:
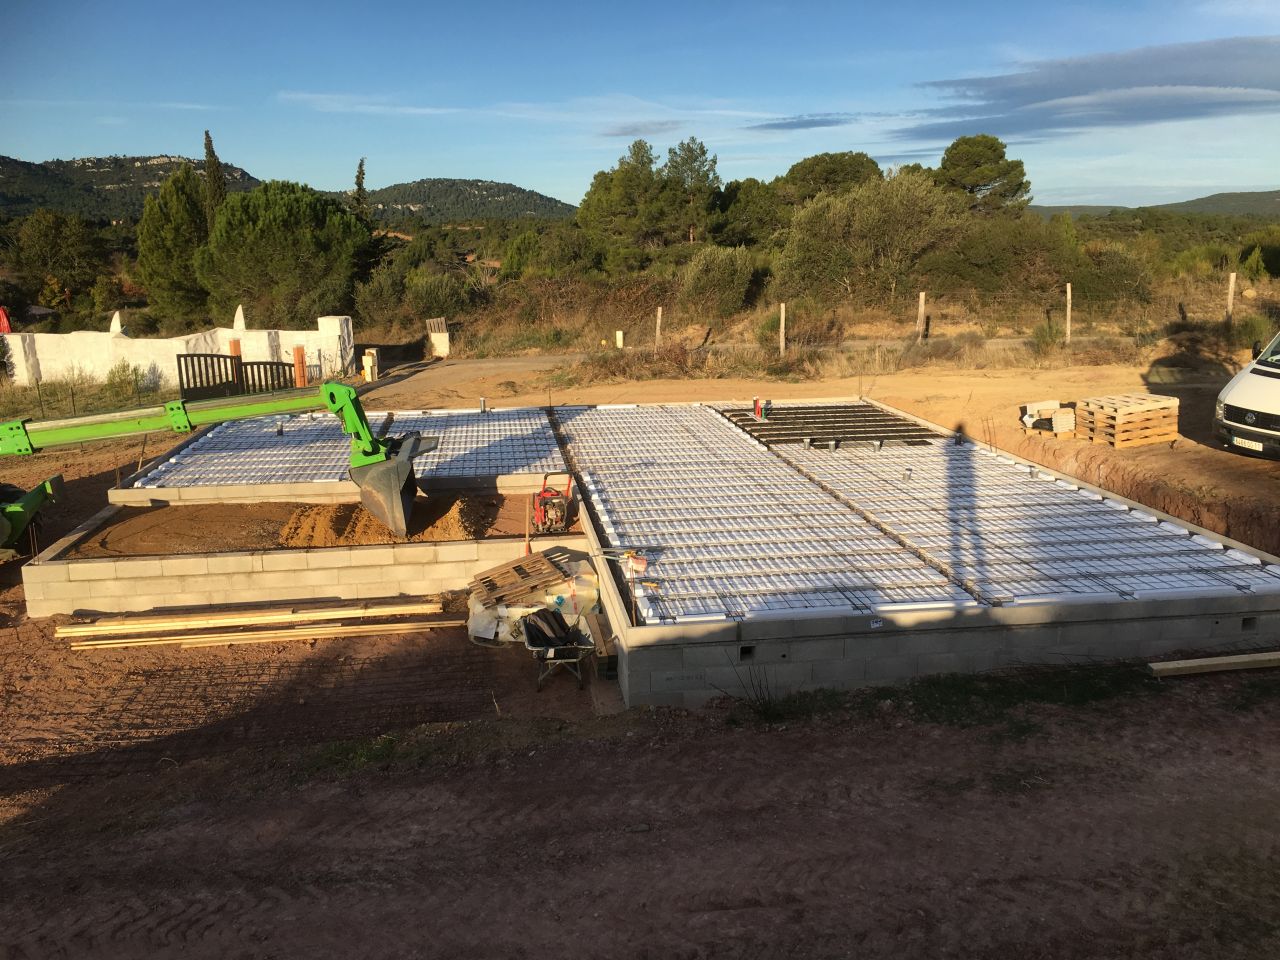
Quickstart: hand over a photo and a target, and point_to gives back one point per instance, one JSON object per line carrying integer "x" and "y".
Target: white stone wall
{"x": 42, "y": 357}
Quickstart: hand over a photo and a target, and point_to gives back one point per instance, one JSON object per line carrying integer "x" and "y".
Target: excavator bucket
{"x": 387, "y": 489}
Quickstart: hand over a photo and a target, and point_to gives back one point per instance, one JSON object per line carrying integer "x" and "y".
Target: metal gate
{"x": 210, "y": 376}
{"x": 266, "y": 376}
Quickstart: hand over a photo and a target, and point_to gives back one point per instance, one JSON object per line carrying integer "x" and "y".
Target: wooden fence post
{"x": 1068, "y": 313}
{"x": 920, "y": 318}
{"x": 299, "y": 366}
{"x": 657, "y": 331}
{"x": 1231, "y": 296}
{"x": 782, "y": 331}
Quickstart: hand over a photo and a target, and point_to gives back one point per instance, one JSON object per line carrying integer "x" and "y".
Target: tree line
{"x": 835, "y": 228}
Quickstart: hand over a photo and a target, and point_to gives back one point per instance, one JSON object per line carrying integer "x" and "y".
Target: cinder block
{"x": 92, "y": 570}
{"x": 46, "y": 573}
{"x": 357, "y": 574}
{"x": 284, "y": 560}
{"x": 138, "y": 569}
{"x": 778, "y": 679}
{"x": 828, "y": 648}
{"x": 415, "y": 552}
{"x": 499, "y": 551}
{"x": 664, "y": 681}
{"x": 119, "y": 588}
{"x": 328, "y": 559}
{"x": 266, "y": 580}
{"x": 186, "y": 598}
{"x": 65, "y": 591}
{"x": 44, "y": 608}
{"x": 235, "y": 563}
{"x": 709, "y": 655}
{"x": 420, "y": 588}
{"x": 458, "y": 553}
{"x": 32, "y": 591}
{"x": 184, "y": 566}
{"x": 837, "y": 673}
{"x": 375, "y": 556}
{"x": 648, "y": 659}
{"x": 891, "y": 668}
{"x": 930, "y": 663}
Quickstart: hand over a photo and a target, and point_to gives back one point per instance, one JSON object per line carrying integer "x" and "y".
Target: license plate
{"x": 1247, "y": 444}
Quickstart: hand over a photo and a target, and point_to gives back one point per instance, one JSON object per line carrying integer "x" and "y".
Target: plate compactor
{"x": 551, "y": 506}
{"x": 381, "y": 467}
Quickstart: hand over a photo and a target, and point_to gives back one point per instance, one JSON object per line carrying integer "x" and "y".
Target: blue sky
{"x": 1126, "y": 102}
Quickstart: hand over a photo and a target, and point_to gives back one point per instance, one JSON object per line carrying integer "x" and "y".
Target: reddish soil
{"x": 164, "y": 802}
{"x": 220, "y": 528}
{"x": 1142, "y": 827}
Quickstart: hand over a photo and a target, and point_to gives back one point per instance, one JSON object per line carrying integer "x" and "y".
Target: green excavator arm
{"x": 18, "y": 510}
{"x": 382, "y": 467}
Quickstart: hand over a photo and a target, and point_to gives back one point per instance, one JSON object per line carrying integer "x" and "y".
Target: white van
{"x": 1247, "y": 415}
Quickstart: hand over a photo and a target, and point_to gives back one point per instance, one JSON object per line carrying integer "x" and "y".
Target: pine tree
{"x": 172, "y": 228}
{"x": 360, "y": 196}
{"x": 215, "y": 184}
{"x": 978, "y": 166}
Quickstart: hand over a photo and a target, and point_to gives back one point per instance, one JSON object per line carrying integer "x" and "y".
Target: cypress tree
{"x": 360, "y": 196}
{"x": 215, "y": 184}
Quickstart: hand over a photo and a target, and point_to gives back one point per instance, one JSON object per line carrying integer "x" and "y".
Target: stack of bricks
{"x": 1049, "y": 416}
{"x": 1128, "y": 420}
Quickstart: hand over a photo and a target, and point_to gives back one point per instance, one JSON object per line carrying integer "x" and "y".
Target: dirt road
{"x": 1141, "y": 827}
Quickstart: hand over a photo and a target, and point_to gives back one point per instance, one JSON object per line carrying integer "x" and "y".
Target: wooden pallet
{"x": 1127, "y": 420}
{"x": 517, "y": 580}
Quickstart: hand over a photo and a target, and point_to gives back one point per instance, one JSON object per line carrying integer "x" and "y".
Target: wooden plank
{"x": 236, "y": 618}
{"x": 269, "y": 636}
{"x": 1243, "y": 661}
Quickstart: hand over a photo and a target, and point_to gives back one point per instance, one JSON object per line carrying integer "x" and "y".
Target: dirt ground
{"x": 192, "y": 803}
{"x": 1137, "y": 827}
{"x": 220, "y": 528}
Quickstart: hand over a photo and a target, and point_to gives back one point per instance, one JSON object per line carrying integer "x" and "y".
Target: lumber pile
{"x": 1049, "y": 416}
{"x": 1127, "y": 420}
{"x": 256, "y": 625}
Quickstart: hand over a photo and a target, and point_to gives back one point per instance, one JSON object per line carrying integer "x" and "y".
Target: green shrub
{"x": 380, "y": 299}
{"x": 1248, "y": 330}
{"x": 1253, "y": 267}
{"x": 717, "y": 280}
{"x": 767, "y": 331}
{"x": 429, "y": 294}
{"x": 1046, "y": 338}
{"x": 123, "y": 381}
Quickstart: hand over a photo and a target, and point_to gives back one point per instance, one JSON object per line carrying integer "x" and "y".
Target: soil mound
{"x": 349, "y": 524}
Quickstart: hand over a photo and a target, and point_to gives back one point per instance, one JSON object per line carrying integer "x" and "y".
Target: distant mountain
{"x": 1075, "y": 209}
{"x": 1261, "y": 203}
{"x": 1258, "y": 203}
{"x": 442, "y": 200}
{"x": 97, "y": 188}
{"x": 114, "y": 188}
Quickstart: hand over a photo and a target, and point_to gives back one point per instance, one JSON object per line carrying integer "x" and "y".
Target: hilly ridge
{"x": 1256, "y": 203}
{"x": 114, "y": 188}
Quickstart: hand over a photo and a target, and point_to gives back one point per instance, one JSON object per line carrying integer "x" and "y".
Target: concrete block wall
{"x": 54, "y": 586}
{"x": 664, "y": 666}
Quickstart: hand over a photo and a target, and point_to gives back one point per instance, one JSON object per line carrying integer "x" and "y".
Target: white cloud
{"x": 358, "y": 103}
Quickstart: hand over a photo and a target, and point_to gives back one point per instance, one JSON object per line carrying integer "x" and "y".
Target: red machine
{"x": 551, "y": 507}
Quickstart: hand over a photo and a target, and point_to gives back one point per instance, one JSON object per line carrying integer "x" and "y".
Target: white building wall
{"x": 42, "y": 357}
